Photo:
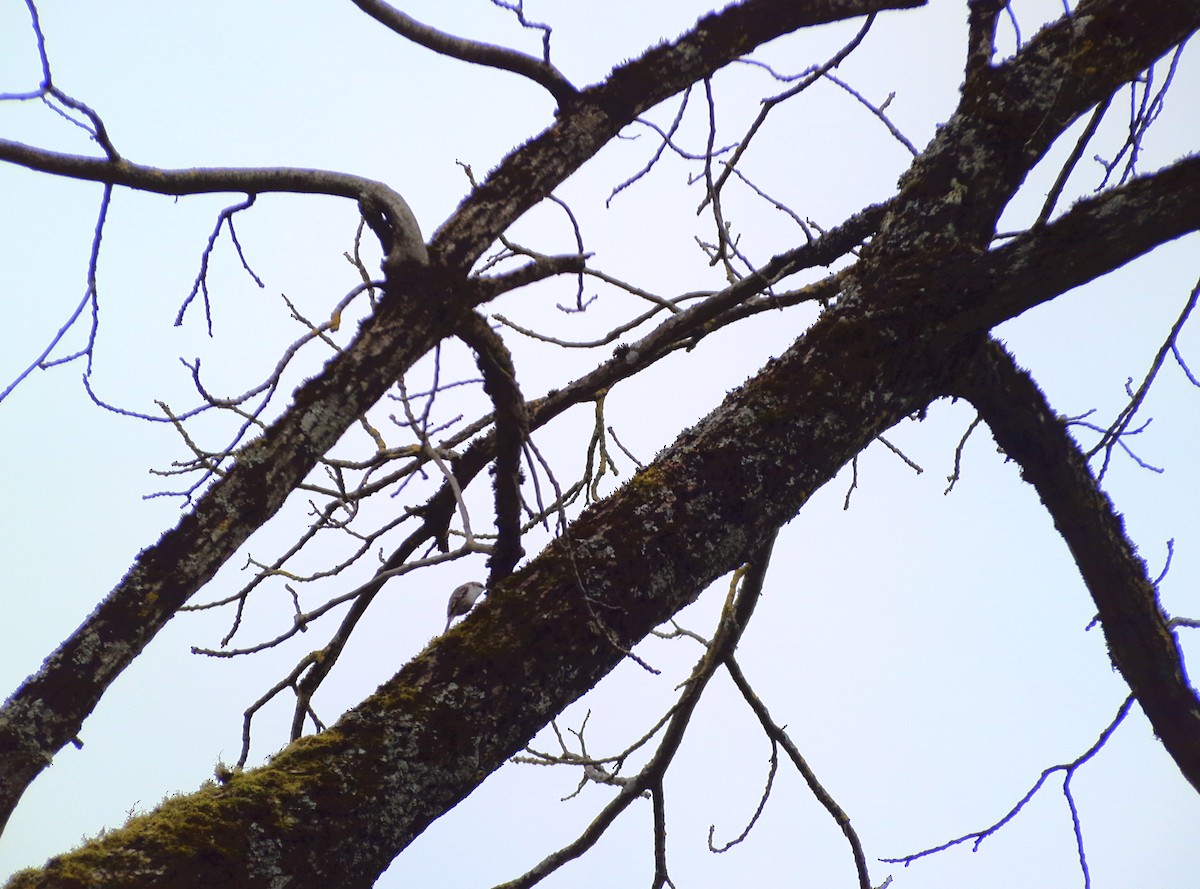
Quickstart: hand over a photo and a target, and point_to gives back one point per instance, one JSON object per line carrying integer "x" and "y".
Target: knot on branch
{"x": 393, "y": 222}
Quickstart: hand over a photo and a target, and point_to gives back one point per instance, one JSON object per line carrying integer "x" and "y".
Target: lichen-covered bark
{"x": 333, "y": 809}
{"x": 423, "y": 306}
{"x": 48, "y": 709}
{"x": 456, "y": 712}
{"x": 1009, "y": 116}
{"x": 362, "y": 790}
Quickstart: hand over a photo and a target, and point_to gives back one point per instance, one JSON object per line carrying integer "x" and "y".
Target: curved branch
{"x": 512, "y": 429}
{"x": 542, "y": 73}
{"x": 1140, "y": 642}
{"x": 385, "y": 210}
{"x": 1069, "y": 769}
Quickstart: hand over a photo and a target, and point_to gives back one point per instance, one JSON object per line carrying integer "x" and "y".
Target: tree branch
{"x": 384, "y": 209}
{"x": 512, "y": 429}
{"x": 1141, "y": 644}
{"x": 1096, "y": 236}
{"x": 48, "y": 709}
{"x": 778, "y": 735}
{"x": 542, "y": 73}
{"x": 408, "y": 322}
{"x": 1010, "y": 114}
{"x": 536, "y": 168}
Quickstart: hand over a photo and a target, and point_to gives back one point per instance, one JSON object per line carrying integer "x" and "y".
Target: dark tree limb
{"x": 1095, "y": 236}
{"x": 1140, "y": 642}
{"x": 512, "y": 429}
{"x": 422, "y": 305}
{"x": 1009, "y": 116}
{"x": 981, "y": 25}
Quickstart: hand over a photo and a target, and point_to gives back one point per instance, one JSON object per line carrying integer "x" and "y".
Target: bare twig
{"x": 734, "y": 618}
{"x": 1120, "y": 426}
{"x": 778, "y": 736}
{"x": 1068, "y": 769}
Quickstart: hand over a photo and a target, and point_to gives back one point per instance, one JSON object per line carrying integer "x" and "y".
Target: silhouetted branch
{"x": 1068, "y": 770}
{"x": 475, "y": 52}
{"x": 1140, "y": 641}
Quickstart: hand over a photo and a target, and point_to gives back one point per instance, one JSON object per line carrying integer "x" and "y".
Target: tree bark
{"x": 335, "y": 808}
{"x": 362, "y": 790}
{"x": 423, "y": 305}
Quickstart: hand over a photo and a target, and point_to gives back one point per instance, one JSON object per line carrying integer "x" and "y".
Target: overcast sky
{"x": 928, "y": 652}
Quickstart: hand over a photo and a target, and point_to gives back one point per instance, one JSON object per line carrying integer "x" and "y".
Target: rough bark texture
{"x": 362, "y": 790}
{"x": 334, "y": 809}
{"x": 350, "y": 798}
{"x": 422, "y": 307}
{"x": 1141, "y": 644}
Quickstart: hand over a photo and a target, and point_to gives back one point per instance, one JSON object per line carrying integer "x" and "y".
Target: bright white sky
{"x": 927, "y": 652}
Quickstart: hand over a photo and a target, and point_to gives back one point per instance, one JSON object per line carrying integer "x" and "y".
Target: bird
{"x": 462, "y": 600}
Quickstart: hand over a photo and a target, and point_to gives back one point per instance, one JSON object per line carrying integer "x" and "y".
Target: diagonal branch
{"x": 1096, "y": 236}
{"x": 421, "y": 306}
{"x": 531, "y": 172}
{"x": 1010, "y": 114}
{"x": 1140, "y": 642}
{"x": 637, "y": 557}
{"x": 48, "y": 709}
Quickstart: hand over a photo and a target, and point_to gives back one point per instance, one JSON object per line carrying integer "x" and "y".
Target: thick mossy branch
{"x": 423, "y": 304}
{"x": 334, "y": 809}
